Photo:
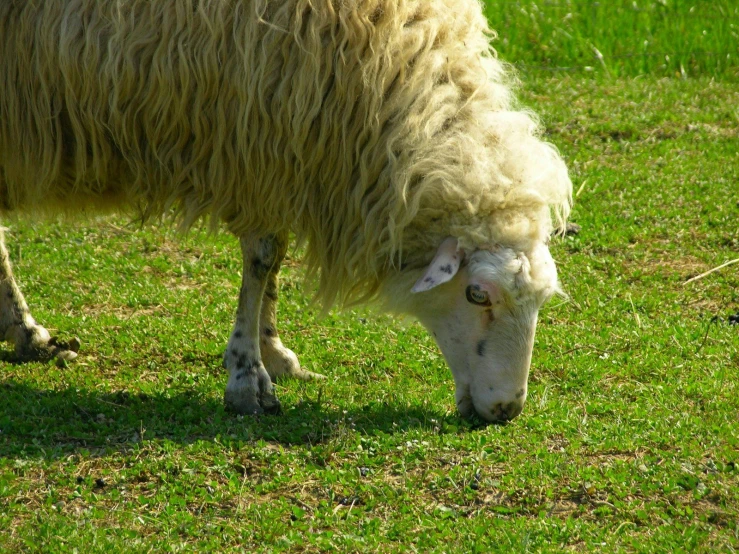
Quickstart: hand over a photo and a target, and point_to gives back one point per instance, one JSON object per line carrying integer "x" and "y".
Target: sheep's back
{"x": 215, "y": 105}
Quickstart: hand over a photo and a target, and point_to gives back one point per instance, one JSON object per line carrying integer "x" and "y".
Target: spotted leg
{"x": 17, "y": 326}
{"x": 249, "y": 389}
{"x": 278, "y": 360}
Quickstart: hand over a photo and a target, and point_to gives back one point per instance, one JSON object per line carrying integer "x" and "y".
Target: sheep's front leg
{"x": 249, "y": 389}
{"x": 278, "y": 360}
{"x": 32, "y": 341}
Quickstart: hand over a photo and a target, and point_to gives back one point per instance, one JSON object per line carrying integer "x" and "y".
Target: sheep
{"x": 384, "y": 134}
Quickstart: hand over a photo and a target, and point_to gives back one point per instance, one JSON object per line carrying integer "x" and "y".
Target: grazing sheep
{"x": 382, "y": 133}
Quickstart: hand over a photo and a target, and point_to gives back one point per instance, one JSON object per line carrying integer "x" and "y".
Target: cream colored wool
{"x": 373, "y": 129}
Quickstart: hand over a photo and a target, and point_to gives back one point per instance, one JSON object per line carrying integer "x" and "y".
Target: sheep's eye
{"x": 475, "y": 295}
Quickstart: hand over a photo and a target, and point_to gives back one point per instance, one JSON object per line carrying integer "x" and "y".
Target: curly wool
{"x": 372, "y": 129}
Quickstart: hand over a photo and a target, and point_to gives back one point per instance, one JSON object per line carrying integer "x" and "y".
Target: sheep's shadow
{"x": 52, "y": 423}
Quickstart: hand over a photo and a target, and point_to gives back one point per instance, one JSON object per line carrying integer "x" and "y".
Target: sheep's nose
{"x": 504, "y": 411}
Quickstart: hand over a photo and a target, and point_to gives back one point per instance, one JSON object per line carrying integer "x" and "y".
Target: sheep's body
{"x": 372, "y": 129}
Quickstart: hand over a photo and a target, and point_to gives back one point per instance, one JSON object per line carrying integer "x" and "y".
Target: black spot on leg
{"x": 245, "y": 366}
{"x": 446, "y": 269}
{"x": 264, "y": 261}
{"x": 259, "y": 269}
{"x": 242, "y": 359}
{"x": 238, "y": 334}
{"x": 268, "y": 332}
{"x": 268, "y": 247}
{"x": 481, "y": 348}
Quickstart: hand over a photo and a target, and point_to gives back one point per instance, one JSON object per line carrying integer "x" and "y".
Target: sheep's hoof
{"x": 270, "y": 404}
{"x": 65, "y": 351}
{"x": 572, "y": 229}
{"x": 241, "y": 406}
{"x": 43, "y": 349}
{"x": 246, "y": 402}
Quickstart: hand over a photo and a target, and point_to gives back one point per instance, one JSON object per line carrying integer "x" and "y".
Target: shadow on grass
{"x": 53, "y": 423}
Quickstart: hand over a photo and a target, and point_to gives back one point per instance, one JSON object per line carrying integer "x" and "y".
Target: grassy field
{"x": 619, "y": 38}
{"x": 629, "y": 440}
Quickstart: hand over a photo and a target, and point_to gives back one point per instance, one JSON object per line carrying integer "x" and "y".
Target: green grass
{"x": 617, "y": 38}
{"x": 629, "y": 440}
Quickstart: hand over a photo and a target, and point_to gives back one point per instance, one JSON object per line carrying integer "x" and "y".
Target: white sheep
{"x": 383, "y": 133}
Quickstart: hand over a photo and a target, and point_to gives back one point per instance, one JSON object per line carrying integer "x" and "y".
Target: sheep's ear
{"x": 443, "y": 267}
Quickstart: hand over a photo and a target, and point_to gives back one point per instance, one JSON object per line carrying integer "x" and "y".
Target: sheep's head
{"x": 481, "y": 307}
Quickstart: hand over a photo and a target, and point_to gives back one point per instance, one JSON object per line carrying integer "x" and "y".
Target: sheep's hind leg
{"x": 249, "y": 389}
{"x": 278, "y": 360}
{"x": 31, "y": 340}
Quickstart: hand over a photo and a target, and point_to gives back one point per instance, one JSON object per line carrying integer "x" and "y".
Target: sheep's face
{"x": 482, "y": 307}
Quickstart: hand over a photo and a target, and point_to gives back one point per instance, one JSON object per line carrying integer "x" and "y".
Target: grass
{"x": 619, "y": 38}
{"x": 629, "y": 440}
{"x": 628, "y": 443}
